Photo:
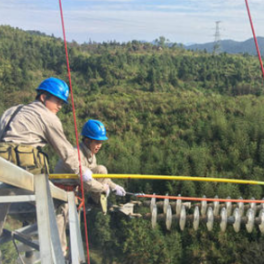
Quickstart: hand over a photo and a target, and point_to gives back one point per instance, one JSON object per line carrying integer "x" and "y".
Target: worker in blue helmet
{"x": 25, "y": 129}
{"x": 94, "y": 134}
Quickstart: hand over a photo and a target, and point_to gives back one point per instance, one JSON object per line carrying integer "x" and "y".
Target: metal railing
{"x": 19, "y": 186}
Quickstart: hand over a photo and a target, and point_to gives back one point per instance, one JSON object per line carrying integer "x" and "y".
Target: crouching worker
{"x": 94, "y": 134}
{"x": 24, "y": 129}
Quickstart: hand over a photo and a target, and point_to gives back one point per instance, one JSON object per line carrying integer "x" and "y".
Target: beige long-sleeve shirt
{"x": 36, "y": 125}
{"x": 89, "y": 161}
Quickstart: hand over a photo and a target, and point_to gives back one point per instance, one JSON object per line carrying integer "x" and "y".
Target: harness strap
{"x": 10, "y": 120}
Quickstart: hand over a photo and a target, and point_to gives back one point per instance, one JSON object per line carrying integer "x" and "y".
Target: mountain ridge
{"x": 231, "y": 46}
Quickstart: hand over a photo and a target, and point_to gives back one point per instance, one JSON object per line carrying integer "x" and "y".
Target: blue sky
{"x": 181, "y": 21}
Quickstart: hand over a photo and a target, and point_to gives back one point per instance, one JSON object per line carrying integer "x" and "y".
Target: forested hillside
{"x": 167, "y": 111}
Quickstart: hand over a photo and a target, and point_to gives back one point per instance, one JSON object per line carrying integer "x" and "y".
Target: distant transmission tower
{"x": 217, "y": 42}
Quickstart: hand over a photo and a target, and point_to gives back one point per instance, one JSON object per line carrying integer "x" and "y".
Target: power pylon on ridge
{"x": 217, "y": 43}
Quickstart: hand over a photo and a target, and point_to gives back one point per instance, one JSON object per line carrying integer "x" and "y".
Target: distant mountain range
{"x": 231, "y": 46}
{"x": 228, "y": 46}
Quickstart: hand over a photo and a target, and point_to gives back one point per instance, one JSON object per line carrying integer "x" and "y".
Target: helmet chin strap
{"x": 87, "y": 143}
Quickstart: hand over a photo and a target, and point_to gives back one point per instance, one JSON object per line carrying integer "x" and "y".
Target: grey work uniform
{"x": 36, "y": 125}
{"x": 93, "y": 186}
{"x": 89, "y": 161}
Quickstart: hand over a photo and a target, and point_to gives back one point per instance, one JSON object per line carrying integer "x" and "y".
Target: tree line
{"x": 167, "y": 111}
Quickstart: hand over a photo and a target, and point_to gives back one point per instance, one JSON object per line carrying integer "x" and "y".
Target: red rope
{"x": 76, "y": 133}
{"x": 255, "y": 39}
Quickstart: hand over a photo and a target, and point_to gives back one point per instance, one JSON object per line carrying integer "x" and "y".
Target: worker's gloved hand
{"x": 87, "y": 175}
{"x": 119, "y": 190}
{"x": 106, "y": 189}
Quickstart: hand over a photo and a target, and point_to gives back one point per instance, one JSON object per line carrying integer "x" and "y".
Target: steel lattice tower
{"x": 217, "y": 42}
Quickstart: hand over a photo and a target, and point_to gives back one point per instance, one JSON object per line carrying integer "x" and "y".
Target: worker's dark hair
{"x": 42, "y": 92}
{"x": 83, "y": 138}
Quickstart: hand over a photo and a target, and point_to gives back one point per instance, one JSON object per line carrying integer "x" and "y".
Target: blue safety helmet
{"x": 56, "y": 87}
{"x": 94, "y": 129}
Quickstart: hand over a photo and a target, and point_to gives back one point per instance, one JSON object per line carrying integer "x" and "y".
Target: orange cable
{"x": 197, "y": 198}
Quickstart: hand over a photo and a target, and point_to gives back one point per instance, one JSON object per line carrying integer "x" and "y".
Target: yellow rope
{"x": 158, "y": 177}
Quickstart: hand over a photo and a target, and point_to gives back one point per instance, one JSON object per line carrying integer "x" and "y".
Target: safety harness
{"x": 27, "y": 157}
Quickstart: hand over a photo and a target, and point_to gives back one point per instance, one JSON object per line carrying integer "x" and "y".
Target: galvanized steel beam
{"x": 15, "y": 176}
{"x": 77, "y": 253}
{"x": 50, "y": 246}
{"x": 17, "y": 199}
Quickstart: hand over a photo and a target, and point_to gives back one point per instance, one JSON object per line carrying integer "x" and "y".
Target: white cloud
{"x": 180, "y": 21}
